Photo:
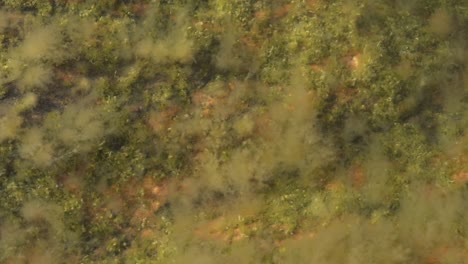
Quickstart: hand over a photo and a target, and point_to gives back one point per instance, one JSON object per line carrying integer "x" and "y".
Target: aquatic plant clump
{"x": 222, "y": 131}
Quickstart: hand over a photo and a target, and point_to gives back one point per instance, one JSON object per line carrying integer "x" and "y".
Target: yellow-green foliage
{"x": 35, "y": 77}
{"x": 10, "y": 123}
{"x": 233, "y": 131}
{"x": 291, "y": 138}
{"x": 173, "y": 47}
{"x": 40, "y": 210}
{"x": 227, "y": 57}
{"x": 40, "y": 43}
{"x": 244, "y": 125}
{"x": 35, "y": 149}
{"x": 81, "y": 125}
{"x": 28, "y": 101}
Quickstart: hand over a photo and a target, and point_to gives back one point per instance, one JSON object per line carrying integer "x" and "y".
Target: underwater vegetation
{"x": 253, "y": 131}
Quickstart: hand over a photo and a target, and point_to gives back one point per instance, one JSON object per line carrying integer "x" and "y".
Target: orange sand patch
{"x": 461, "y": 177}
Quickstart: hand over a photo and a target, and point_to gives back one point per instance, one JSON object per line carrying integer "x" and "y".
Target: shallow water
{"x": 233, "y": 131}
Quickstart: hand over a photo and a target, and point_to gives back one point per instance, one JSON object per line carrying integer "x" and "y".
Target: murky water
{"x": 233, "y": 131}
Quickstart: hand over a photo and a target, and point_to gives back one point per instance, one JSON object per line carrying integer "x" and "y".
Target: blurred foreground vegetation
{"x": 172, "y": 131}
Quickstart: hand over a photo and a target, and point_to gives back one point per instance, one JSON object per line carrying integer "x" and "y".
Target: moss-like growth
{"x": 233, "y": 131}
